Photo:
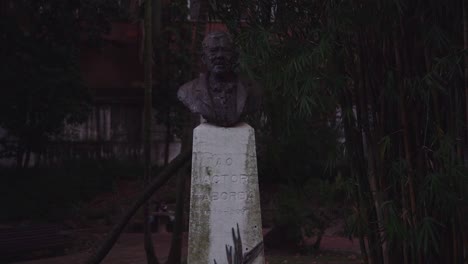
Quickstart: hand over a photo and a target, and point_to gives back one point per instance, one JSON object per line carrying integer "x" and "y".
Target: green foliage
{"x": 296, "y": 132}
{"x": 293, "y": 212}
{"x": 428, "y": 236}
{"x": 279, "y": 153}
{"x": 394, "y": 69}
{"x": 174, "y": 57}
{"x": 41, "y": 86}
{"x": 307, "y": 210}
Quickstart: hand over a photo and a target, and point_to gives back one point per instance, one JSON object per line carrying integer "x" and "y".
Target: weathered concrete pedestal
{"x": 225, "y": 219}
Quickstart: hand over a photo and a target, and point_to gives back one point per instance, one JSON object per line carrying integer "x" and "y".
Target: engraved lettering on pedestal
{"x": 215, "y": 160}
{"x": 224, "y": 193}
{"x": 231, "y": 196}
{"x": 244, "y": 178}
{"x": 225, "y": 179}
{"x": 242, "y": 196}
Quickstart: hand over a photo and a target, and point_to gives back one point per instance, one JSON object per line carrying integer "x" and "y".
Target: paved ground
{"x": 129, "y": 250}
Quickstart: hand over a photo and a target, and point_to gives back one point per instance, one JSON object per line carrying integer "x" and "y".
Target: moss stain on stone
{"x": 199, "y": 244}
{"x": 254, "y": 218}
{"x": 208, "y": 171}
{"x": 199, "y": 215}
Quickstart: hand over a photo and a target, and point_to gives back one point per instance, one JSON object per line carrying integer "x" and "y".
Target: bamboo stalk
{"x": 406, "y": 139}
{"x": 348, "y": 127}
{"x": 405, "y": 127}
{"x": 175, "y": 251}
{"x": 349, "y": 123}
{"x": 363, "y": 94}
{"x": 465, "y": 46}
{"x": 148, "y": 63}
{"x": 464, "y": 242}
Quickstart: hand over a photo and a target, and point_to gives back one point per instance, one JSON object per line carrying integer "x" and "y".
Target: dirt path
{"x": 129, "y": 250}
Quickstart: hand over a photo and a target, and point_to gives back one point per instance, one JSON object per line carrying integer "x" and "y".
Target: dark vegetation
{"x": 393, "y": 70}
{"x": 41, "y": 84}
{"x": 54, "y": 194}
{"x": 364, "y": 119}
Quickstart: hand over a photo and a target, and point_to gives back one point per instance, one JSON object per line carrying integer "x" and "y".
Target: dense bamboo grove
{"x": 397, "y": 71}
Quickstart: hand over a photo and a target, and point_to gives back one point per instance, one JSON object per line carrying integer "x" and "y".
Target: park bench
{"x": 20, "y": 243}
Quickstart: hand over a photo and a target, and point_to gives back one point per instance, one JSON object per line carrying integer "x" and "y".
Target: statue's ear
{"x": 204, "y": 59}
{"x": 235, "y": 61}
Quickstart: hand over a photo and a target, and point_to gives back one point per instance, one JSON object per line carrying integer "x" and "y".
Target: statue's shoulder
{"x": 252, "y": 86}
{"x": 187, "y": 90}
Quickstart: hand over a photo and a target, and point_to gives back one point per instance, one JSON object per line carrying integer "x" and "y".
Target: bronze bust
{"x": 220, "y": 96}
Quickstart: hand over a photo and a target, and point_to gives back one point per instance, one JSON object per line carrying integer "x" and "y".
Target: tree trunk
{"x": 167, "y": 140}
{"x": 27, "y": 158}
{"x": 177, "y": 231}
{"x": 160, "y": 180}
{"x": 370, "y": 136}
{"x": 176, "y": 243}
{"x": 148, "y": 61}
{"x": 200, "y": 17}
{"x": 465, "y": 46}
{"x": 405, "y": 128}
{"x": 19, "y": 157}
{"x": 347, "y": 105}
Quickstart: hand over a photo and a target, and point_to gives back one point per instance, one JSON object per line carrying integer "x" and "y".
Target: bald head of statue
{"x": 219, "y": 53}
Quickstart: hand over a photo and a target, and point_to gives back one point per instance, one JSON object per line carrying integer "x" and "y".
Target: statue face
{"x": 219, "y": 54}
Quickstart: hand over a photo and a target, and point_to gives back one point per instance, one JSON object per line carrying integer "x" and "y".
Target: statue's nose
{"x": 220, "y": 54}
{"x": 223, "y": 98}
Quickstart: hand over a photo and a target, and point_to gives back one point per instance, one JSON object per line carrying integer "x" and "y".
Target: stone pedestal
{"x": 225, "y": 219}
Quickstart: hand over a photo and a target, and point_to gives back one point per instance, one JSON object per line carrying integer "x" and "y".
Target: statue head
{"x": 219, "y": 53}
{"x": 221, "y": 97}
